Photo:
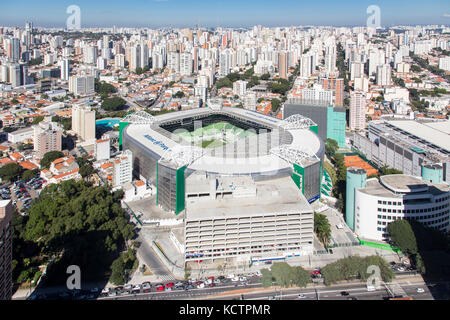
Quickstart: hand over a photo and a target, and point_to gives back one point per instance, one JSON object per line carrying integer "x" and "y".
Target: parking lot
{"x": 24, "y": 191}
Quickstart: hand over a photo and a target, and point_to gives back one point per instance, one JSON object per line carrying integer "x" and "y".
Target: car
{"x": 179, "y": 284}
{"x": 226, "y": 280}
{"x": 352, "y": 298}
{"x": 230, "y": 276}
{"x": 344, "y": 293}
{"x": 242, "y": 278}
{"x": 128, "y": 287}
{"x": 112, "y": 293}
{"x": 190, "y": 287}
{"x": 201, "y": 285}
{"x": 268, "y": 262}
{"x": 211, "y": 285}
{"x": 216, "y": 281}
{"x": 400, "y": 268}
{"x": 371, "y": 288}
{"x": 146, "y": 288}
{"x": 169, "y": 285}
{"x": 271, "y": 298}
{"x": 301, "y": 296}
{"x": 258, "y": 273}
{"x": 105, "y": 292}
{"x": 159, "y": 288}
{"x": 179, "y": 288}
{"x": 420, "y": 290}
{"x": 235, "y": 279}
{"x": 208, "y": 281}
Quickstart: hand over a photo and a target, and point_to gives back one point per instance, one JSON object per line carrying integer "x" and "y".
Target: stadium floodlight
{"x": 293, "y": 155}
{"x": 181, "y": 155}
{"x": 296, "y": 121}
{"x": 140, "y": 117}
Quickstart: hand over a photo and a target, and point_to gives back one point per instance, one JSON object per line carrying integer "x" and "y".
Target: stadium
{"x": 221, "y": 141}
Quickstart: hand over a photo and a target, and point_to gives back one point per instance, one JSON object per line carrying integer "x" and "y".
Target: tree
{"x": 331, "y": 146}
{"x": 322, "y": 228}
{"x": 49, "y": 157}
{"x": 11, "y": 172}
{"x": 113, "y": 104}
{"x": 179, "y": 94}
{"x": 275, "y": 104}
{"x": 266, "y": 279}
{"x": 118, "y": 275}
{"x": 265, "y": 76}
{"x": 38, "y": 119}
{"x": 28, "y": 174}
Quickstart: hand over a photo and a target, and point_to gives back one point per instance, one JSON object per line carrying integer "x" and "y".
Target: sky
{"x": 224, "y": 13}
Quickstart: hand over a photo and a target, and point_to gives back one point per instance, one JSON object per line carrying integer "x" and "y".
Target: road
{"x": 150, "y": 258}
{"x": 233, "y": 291}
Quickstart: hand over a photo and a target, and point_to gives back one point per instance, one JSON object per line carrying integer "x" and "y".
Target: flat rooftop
{"x": 279, "y": 195}
{"x": 393, "y": 186}
{"x": 436, "y": 133}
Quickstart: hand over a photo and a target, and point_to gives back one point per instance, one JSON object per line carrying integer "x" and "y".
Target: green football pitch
{"x": 215, "y": 135}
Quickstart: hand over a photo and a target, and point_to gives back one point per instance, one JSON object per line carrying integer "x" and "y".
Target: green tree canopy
{"x": 113, "y": 104}
{"x": 49, "y": 157}
{"x": 11, "y": 172}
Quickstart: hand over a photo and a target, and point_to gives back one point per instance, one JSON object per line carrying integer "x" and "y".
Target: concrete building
{"x": 336, "y": 85}
{"x": 123, "y": 169}
{"x": 82, "y": 85}
{"x": 331, "y": 120}
{"x": 277, "y": 221}
{"x": 6, "y": 235}
{"x": 283, "y": 64}
{"x": 186, "y": 64}
{"x": 102, "y": 148}
{"x": 240, "y": 88}
{"x": 83, "y": 122}
{"x": 406, "y": 145}
{"x": 46, "y": 137}
{"x": 356, "y": 178}
{"x": 397, "y": 197}
{"x": 19, "y": 136}
{"x": 357, "y": 117}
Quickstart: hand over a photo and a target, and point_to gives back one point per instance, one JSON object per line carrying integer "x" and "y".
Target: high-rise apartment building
{"x": 337, "y": 86}
{"x": 186, "y": 64}
{"x": 283, "y": 64}
{"x": 357, "y": 110}
{"x": 123, "y": 169}
{"x": 83, "y": 122}
{"x": 6, "y": 235}
{"x": 64, "y": 66}
{"x": 46, "y": 138}
{"x": 384, "y": 75}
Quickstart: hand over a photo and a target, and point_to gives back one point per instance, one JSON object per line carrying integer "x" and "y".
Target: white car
{"x": 301, "y": 296}
{"x": 235, "y": 279}
{"x": 420, "y": 290}
{"x": 242, "y": 279}
{"x": 230, "y": 276}
{"x": 179, "y": 284}
{"x": 258, "y": 273}
{"x": 200, "y": 286}
{"x": 208, "y": 281}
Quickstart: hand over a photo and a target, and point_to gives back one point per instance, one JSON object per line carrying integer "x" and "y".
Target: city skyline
{"x": 232, "y": 13}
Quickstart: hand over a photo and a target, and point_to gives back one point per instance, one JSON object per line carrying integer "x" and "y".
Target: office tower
{"x": 186, "y": 64}
{"x": 47, "y": 137}
{"x": 337, "y": 86}
{"x": 384, "y": 75}
{"x": 83, "y": 122}
{"x": 6, "y": 235}
{"x": 123, "y": 169}
{"x": 64, "y": 66}
{"x": 82, "y": 85}
{"x": 173, "y": 61}
{"x": 357, "y": 110}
